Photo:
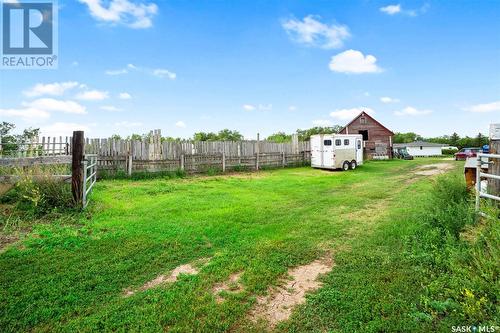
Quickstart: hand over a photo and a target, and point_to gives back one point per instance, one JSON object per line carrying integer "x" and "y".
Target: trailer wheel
{"x": 354, "y": 165}
{"x": 345, "y": 166}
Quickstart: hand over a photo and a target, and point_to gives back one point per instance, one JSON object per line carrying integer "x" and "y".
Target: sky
{"x": 131, "y": 66}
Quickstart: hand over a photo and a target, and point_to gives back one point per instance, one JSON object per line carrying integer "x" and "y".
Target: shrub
{"x": 212, "y": 171}
{"x": 458, "y": 256}
{"x": 241, "y": 168}
{"x": 449, "y": 209}
{"x": 139, "y": 175}
{"x": 39, "y": 193}
{"x": 449, "y": 151}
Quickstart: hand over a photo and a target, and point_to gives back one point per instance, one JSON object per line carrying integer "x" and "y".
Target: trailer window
{"x": 346, "y": 142}
{"x": 327, "y": 142}
{"x": 338, "y": 142}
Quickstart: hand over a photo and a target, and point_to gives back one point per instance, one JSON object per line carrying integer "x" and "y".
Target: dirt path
{"x": 280, "y": 302}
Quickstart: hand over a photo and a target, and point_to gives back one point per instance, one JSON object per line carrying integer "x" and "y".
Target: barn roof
{"x": 418, "y": 144}
{"x": 367, "y": 116}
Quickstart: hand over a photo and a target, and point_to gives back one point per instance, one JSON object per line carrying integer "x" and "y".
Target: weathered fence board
{"x": 151, "y": 154}
{"x": 31, "y": 161}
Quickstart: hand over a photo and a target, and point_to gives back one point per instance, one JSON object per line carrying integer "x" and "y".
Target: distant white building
{"x": 421, "y": 148}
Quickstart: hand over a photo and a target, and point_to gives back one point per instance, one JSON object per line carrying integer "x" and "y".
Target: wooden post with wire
{"x": 78, "y": 145}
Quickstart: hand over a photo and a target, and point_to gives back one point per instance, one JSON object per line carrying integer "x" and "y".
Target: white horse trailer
{"x": 336, "y": 151}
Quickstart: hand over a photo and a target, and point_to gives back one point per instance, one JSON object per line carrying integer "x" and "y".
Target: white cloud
{"x": 411, "y": 111}
{"x": 51, "y": 104}
{"x": 352, "y": 61}
{"x": 388, "y": 100}
{"x": 128, "y": 124}
{"x": 116, "y": 71}
{"x": 292, "y": 108}
{"x": 391, "y": 9}
{"x": 124, "y": 95}
{"x": 63, "y": 129}
{"x": 348, "y": 114}
{"x": 322, "y": 122}
{"x": 164, "y": 73}
{"x": 248, "y": 107}
{"x": 398, "y": 9}
{"x": 93, "y": 95}
{"x": 158, "y": 72}
{"x": 486, "y": 107}
{"x": 25, "y": 114}
{"x": 260, "y": 107}
{"x": 110, "y": 108}
{"x": 180, "y": 124}
{"x": 137, "y": 15}
{"x": 312, "y": 32}
{"x": 54, "y": 89}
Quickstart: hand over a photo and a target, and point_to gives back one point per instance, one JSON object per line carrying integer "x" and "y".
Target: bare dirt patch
{"x": 433, "y": 169}
{"x": 232, "y": 285}
{"x": 280, "y": 302}
{"x": 188, "y": 269}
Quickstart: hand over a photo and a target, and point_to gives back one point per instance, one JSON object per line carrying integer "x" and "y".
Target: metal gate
{"x": 89, "y": 176}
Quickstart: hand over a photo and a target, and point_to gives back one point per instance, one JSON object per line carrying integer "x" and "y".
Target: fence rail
{"x": 89, "y": 176}
{"x": 480, "y": 175}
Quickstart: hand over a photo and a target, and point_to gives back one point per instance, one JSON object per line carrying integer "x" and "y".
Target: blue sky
{"x": 129, "y": 66}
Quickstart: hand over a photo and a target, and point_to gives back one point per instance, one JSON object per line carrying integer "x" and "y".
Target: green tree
{"x": 205, "y": 136}
{"x": 406, "y": 137}
{"x": 12, "y": 143}
{"x": 222, "y": 135}
{"x": 170, "y": 139}
{"x": 305, "y": 135}
{"x": 280, "y": 137}
{"x": 135, "y": 137}
{"x": 115, "y": 137}
{"x": 481, "y": 140}
{"x": 228, "y": 135}
{"x": 454, "y": 138}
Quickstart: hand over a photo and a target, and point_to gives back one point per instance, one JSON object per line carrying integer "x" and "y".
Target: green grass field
{"x": 72, "y": 277}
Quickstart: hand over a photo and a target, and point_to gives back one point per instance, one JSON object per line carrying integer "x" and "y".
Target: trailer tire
{"x": 353, "y": 165}
{"x": 345, "y": 166}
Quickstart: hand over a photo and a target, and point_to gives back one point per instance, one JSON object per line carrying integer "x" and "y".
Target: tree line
{"x": 12, "y": 141}
{"x": 454, "y": 139}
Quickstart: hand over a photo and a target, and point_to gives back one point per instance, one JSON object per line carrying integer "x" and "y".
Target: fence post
{"x": 84, "y": 187}
{"x": 239, "y": 153}
{"x": 295, "y": 144}
{"x": 284, "y": 159}
{"x": 182, "y": 161}
{"x": 494, "y": 166}
{"x": 478, "y": 182}
{"x": 223, "y": 162}
{"x": 129, "y": 165}
{"x": 78, "y": 144}
{"x": 257, "y": 151}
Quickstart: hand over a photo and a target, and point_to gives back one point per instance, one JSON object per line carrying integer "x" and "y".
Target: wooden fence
{"x": 153, "y": 155}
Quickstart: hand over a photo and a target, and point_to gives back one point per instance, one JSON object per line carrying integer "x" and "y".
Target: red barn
{"x": 376, "y": 137}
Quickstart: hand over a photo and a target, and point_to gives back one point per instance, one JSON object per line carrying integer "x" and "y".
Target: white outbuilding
{"x": 421, "y": 148}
